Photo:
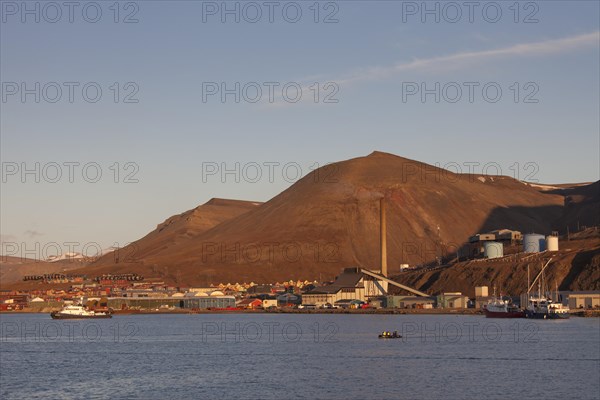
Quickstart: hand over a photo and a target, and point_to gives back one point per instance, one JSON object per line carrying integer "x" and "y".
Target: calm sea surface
{"x": 273, "y": 356}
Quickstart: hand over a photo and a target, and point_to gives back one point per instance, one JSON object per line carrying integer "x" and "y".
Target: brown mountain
{"x": 330, "y": 219}
{"x": 582, "y": 206}
{"x": 177, "y": 229}
{"x": 13, "y": 269}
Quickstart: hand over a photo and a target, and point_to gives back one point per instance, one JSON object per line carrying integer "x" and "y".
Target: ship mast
{"x": 528, "y": 287}
{"x": 539, "y": 275}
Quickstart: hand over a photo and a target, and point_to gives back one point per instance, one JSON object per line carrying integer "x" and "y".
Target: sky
{"x": 116, "y": 115}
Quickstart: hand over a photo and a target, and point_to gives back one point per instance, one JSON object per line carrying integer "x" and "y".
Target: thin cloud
{"x": 465, "y": 59}
{"x": 33, "y": 234}
{"x": 454, "y": 61}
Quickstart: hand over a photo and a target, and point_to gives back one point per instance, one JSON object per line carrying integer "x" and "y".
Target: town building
{"x": 250, "y": 304}
{"x": 187, "y": 302}
{"x": 351, "y": 284}
{"x": 582, "y": 299}
{"x": 409, "y": 302}
{"x": 498, "y": 235}
{"x": 452, "y": 300}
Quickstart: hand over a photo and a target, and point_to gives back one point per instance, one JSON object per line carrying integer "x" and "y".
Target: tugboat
{"x": 498, "y": 308}
{"x": 78, "y": 312}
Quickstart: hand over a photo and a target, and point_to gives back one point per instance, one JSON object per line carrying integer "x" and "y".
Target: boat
{"x": 541, "y": 306}
{"x": 390, "y": 335}
{"x": 78, "y": 312}
{"x": 498, "y": 308}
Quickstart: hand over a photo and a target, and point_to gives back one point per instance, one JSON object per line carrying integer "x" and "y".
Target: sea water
{"x": 313, "y": 356}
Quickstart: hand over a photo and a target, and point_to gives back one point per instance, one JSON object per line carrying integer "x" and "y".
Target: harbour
{"x": 321, "y": 200}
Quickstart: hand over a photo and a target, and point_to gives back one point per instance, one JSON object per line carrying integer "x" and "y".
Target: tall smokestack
{"x": 382, "y": 236}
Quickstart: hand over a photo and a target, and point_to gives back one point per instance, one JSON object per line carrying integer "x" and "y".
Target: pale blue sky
{"x": 371, "y": 54}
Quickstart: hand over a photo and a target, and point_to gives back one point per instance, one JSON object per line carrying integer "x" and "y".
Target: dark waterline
{"x": 301, "y": 356}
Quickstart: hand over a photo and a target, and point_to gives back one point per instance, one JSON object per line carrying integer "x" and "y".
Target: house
{"x": 260, "y": 289}
{"x": 266, "y": 303}
{"x": 250, "y": 304}
{"x": 287, "y": 299}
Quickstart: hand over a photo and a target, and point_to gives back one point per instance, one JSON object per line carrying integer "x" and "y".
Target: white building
{"x": 269, "y": 303}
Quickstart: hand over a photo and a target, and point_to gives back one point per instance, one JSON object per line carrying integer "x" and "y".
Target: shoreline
{"x": 381, "y": 311}
{"x": 279, "y": 311}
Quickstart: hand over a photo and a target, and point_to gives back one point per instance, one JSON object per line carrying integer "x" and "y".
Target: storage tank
{"x": 552, "y": 243}
{"x": 493, "y": 250}
{"x": 534, "y": 243}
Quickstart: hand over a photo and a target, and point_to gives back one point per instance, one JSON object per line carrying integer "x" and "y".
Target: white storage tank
{"x": 552, "y": 243}
{"x": 534, "y": 243}
{"x": 493, "y": 250}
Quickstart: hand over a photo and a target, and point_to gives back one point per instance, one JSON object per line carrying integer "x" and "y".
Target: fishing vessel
{"x": 498, "y": 308}
{"x": 541, "y": 305}
{"x": 78, "y": 312}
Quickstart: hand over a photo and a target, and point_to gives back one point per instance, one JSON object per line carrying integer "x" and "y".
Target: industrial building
{"x": 482, "y": 237}
{"x": 351, "y": 284}
{"x": 360, "y": 283}
{"x": 481, "y": 296}
{"x": 188, "y": 302}
{"x": 583, "y": 299}
{"x": 552, "y": 243}
{"x": 453, "y": 300}
{"x": 507, "y": 235}
{"x": 498, "y": 235}
{"x": 491, "y": 244}
{"x": 409, "y": 302}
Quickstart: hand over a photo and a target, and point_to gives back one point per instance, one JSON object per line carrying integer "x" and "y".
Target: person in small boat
{"x": 395, "y": 334}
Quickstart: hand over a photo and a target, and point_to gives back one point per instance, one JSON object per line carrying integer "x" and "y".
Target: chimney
{"x": 382, "y": 236}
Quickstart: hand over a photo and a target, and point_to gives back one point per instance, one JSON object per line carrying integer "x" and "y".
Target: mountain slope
{"x": 575, "y": 267}
{"x": 177, "y": 228}
{"x": 330, "y": 219}
{"x": 13, "y": 269}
